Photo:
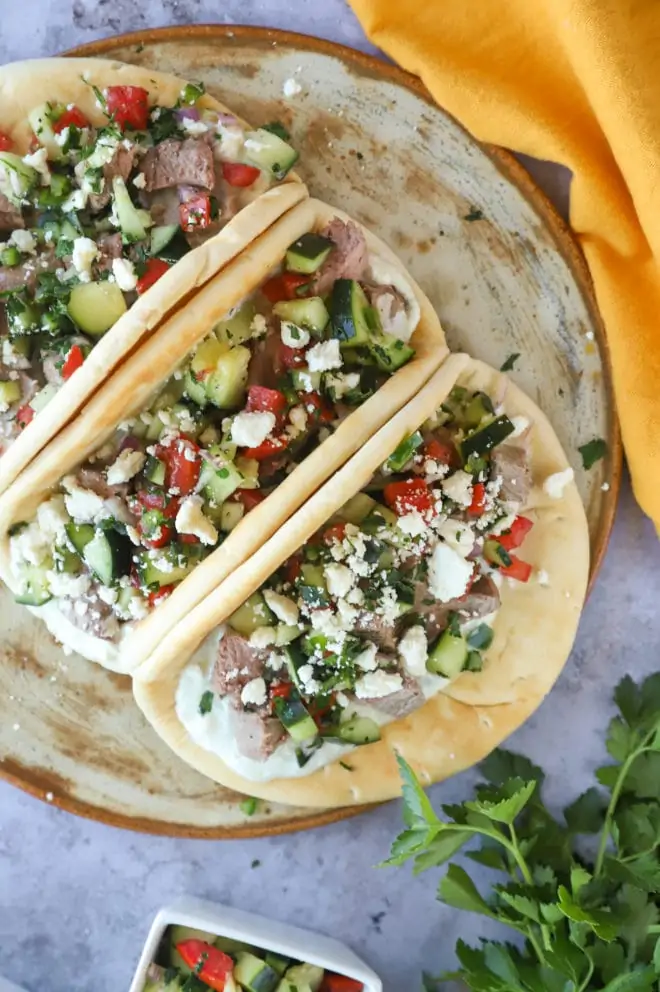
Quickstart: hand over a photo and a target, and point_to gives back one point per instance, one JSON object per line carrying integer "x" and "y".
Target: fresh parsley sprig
{"x": 582, "y": 922}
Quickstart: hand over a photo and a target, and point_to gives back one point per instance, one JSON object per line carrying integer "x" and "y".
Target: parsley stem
{"x": 585, "y": 983}
{"x": 527, "y": 875}
{"x": 616, "y": 795}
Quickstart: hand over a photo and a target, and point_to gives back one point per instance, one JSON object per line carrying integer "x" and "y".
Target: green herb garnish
{"x": 592, "y": 452}
{"x": 276, "y": 127}
{"x": 474, "y": 214}
{"x": 249, "y": 806}
{"x": 509, "y": 362}
{"x": 206, "y": 702}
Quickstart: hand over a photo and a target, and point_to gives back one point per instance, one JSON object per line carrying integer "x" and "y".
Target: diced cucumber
{"x": 206, "y": 356}
{"x": 66, "y": 560}
{"x": 44, "y": 396}
{"x": 312, "y": 586}
{"x": 95, "y": 306}
{"x": 294, "y": 659}
{"x": 496, "y": 553}
{"x": 225, "y": 386}
{"x": 231, "y": 515}
{"x": 486, "y": 438}
{"x": 359, "y": 730}
{"x": 252, "y": 614}
{"x": 481, "y": 637}
{"x": 161, "y": 236}
{"x": 154, "y": 470}
{"x": 10, "y": 257}
{"x": 35, "y": 590}
{"x": 305, "y": 381}
{"x": 404, "y": 452}
{"x": 41, "y": 121}
{"x": 80, "y": 535}
{"x": 249, "y": 469}
{"x": 131, "y": 220}
{"x": 231, "y": 946}
{"x": 357, "y": 508}
{"x": 295, "y": 718}
{"x": 307, "y": 975}
{"x": 286, "y": 633}
{"x": 176, "y": 935}
{"x": 156, "y": 980}
{"x": 310, "y": 313}
{"x": 479, "y": 407}
{"x": 167, "y": 566}
{"x": 237, "y": 328}
{"x": 277, "y": 962}
{"x": 22, "y": 317}
{"x": 174, "y": 249}
{"x": 194, "y": 390}
{"x": 390, "y": 353}
{"x": 270, "y": 152}
{"x": 308, "y": 253}
{"x": 448, "y": 656}
{"x": 221, "y": 479}
{"x": 108, "y": 556}
{"x": 16, "y": 178}
{"x": 379, "y": 517}
{"x": 253, "y": 974}
{"x": 10, "y": 392}
{"x": 348, "y": 313}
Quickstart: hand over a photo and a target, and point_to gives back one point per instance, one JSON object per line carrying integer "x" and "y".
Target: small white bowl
{"x": 292, "y": 942}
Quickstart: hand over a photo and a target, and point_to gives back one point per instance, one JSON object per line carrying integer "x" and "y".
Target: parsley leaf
{"x": 509, "y": 363}
{"x": 592, "y": 452}
{"x": 206, "y": 702}
{"x": 276, "y": 127}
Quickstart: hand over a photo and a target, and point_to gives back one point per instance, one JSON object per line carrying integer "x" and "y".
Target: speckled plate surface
{"x": 505, "y": 277}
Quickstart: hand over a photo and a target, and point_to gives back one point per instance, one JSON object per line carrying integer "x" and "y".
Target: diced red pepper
{"x": 183, "y": 463}
{"x": 282, "y": 691}
{"x": 336, "y": 532}
{"x": 210, "y": 964}
{"x": 73, "y": 361}
{"x": 73, "y": 117}
{"x": 271, "y": 446}
{"x": 154, "y": 269}
{"x": 129, "y": 106}
{"x": 238, "y": 174}
{"x": 6, "y": 143}
{"x": 478, "y": 504}
{"x": 291, "y": 358}
{"x": 292, "y": 568}
{"x": 195, "y": 212}
{"x": 24, "y": 415}
{"x": 260, "y": 399}
{"x": 408, "y": 496}
{"x": 340, "y": 983}
{"x": 318, "y": 407}
{"x": 517, "y": 533}
{"x": 284, "y": 287}
{"x": 158, "y": 595}
{"x": 442, "y": 452}
{"x": 249, "y": 498}
{"x": 518, "y": 569}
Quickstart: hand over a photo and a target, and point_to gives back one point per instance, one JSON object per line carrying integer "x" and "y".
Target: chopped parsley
{"x": 592, "y": 452}
{"x": 277, "y": 128}
{"x": 256, "y": 863}
{"x": 474, "y": 214}
{"x": 345, "y": 764}
{"x": 206, "y": 702}
{"x": 191, "y": 93}
{"x": 249, "y": 806}
{"x": 509, "y": 363}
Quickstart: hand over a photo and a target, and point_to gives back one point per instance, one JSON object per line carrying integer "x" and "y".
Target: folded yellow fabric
{"x": 577, "y": 82}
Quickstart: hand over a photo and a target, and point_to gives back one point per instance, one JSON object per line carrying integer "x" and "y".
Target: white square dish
{"x": 269, "y": 935}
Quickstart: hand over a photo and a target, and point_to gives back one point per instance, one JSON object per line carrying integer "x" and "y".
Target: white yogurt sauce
{"x": 385, "y": 275}
{"x": 106, "y": 653}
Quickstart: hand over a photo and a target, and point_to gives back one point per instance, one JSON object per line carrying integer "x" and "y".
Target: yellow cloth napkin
{"x": 577, "y": 82}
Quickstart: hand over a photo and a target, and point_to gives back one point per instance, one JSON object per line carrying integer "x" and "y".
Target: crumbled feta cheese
{"x": 75, "y": 201}
{"x": 140, "y": 180}
{"x": 230, "y": 145}
{"x": 284, "y": 608}
{"x": 503, "y": 524}
{"x": 125, "y": 274}
{"x": 194, "y": 127}
{"x": 413, "y": 648}
{"x": 107, "y": 594}
{"x": 262, "y": 637}
{"x": 306, "y": 676}
{"x": 23, "y": 241}
{"x": 29, "y": 545}
{"x": 458, "y": 487}
{"x": 298, "y": 418}
{"x": 342, "y": 384}
{"x": 133, "y": 535}
{"x": 127, "y": 464}
{"x": 605, "y": 487}
{"x": 71, "y": 586}
{"x": 542, "y": 577}
{"x": 291, "y": 87}
{"x": 84, "y": 253}
{"x": 249, "y": 430}
{"x": 375, "y": 685}
{"x": 190, "y": 519}
{"x": 449, "y": 573}
{"x": 39, "y": 161}
{"x": 138, "y": 608}
{"x": 555, "y": 484}
{"x": 339, "y": 580}
{"x": 324, "y": 356}
{"x": 254, "y": 693}
{"x": 355, "y": 596}
{"x": 258, "y": 325}
{"x": 293, "y": 336}
{"x": 457, "y": 535}
{"x": 412, "y": 523}
{"x": 275, "y": 661}
{"x": 53, "y": 518}
{"x": 82, "y": 504}
{"x": 12, "y": 357}
{"x": 366, "y": 660}
{"x": 520, "y": 425}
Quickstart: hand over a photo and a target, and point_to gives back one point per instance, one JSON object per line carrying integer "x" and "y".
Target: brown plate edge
{"x": 30, "y": 782}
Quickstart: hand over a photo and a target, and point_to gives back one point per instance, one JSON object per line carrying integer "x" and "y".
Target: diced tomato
{"x": 195, "y": 212}
{"x": 158, "y": 595}
{"x": 188, "y": 539}
{"x": 150, "y": 501}
{"x": 517, "y": 533}
{"x": 440, "y": 451}
{"x": 292, "y": 568}
{"x": 409, "y": 495}
{"x": 210, "y": 964}
{"x": 271, "y": 446}
{"x": 162, "y": 536}
{"x": 261, "y": 399}
{"x": 283, "y": 691}
{"x": 336, "y": 532}
{"x": 238, "y": 174}
{"x": 291, "y": 358}
{"x": 518, "y": 569}
{"x": 129, "y": 105}
{"x": 183, "y": 463}
{"x": 154, "y": 269}
{"x": 249, "y": 498}
{"x": 340, "y": 983}
{"x": 24, "y": 415}
{"x": 72, "y": 117}
{"x": 6, "y": 143}
{"x": 318, "y": 408}
{"x": 478, "y": 504}
{"x": 284, "y": 287}
{"x": 73, "y": 361}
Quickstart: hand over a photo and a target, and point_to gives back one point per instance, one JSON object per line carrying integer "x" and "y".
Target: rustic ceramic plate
{"x": 505, "y": 277}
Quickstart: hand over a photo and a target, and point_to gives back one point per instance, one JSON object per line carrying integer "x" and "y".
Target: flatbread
{"x": 534, "y": 629}
{"x": 134, "y": 383}
{"x": 25, "y": 85}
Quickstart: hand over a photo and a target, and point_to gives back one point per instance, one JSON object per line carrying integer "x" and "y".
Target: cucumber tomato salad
{"x": 256, "y": 396}
{"x": 194, "y": 961}
{"x": 94, "y": 215}
{"x": 393, "y": 598}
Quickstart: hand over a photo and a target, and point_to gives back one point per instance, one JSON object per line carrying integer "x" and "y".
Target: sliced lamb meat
{"x": 236, "y": 664}
{"x": 15, "y": 277}
{"x": 257, "y": 733}
{"x": 94, "y": 479}
{"x": 91, "y": 615}
{"x": 400, "y": 703}
{"x": 163, "y": 205}
{"x": 509, "y": 463}
{"x": 266, "y": 366}
{"x": 110, "y": 246}
{"x": 179, "y": 163}
{"x": 347, "y": 260}
{"x": 482, "y": 599}
{"x": 11, "y": 217}
{"x": 390, "y": 306}
{"x": 120, "y": 165}
{"x": 373, "y": 627}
